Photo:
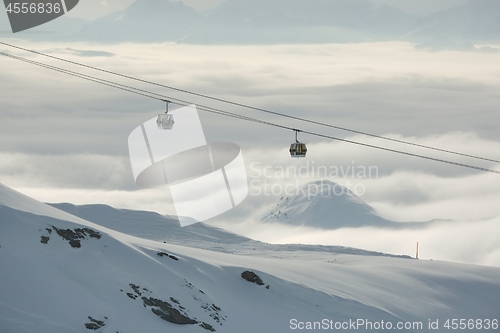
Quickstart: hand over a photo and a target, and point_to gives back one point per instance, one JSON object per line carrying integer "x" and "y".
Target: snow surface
{"x": 54, "y": 287}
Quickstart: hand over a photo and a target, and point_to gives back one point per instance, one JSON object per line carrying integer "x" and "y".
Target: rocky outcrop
{"x": 75, "y": 236}
{"x": 94, "y": 324}
{"x": 172, "y": 310}
{"x": 252, "y": 277}
{"x": 163, "y": 254}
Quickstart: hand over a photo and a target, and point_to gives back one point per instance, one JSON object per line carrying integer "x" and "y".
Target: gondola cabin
{"x": 298, "y": 149}
{"x": 165, "y": 121}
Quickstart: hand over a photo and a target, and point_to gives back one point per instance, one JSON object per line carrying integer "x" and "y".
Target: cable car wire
{"x": 162, "y": 98}
{"x": 252, "y": 107}
{"x": 82, "y": 76}
{"x": 137, "y": 91}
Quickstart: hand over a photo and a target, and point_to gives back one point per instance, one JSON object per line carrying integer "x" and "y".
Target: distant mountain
{"x": 477, "y": 21}
{"x": 143, "y": 21}
{"x": 296, "y": 21}
{"x": 250, "y": 22}
{"x": 327, "y": 205}
{"x": 64, "y": 25}
{"x": 282, "y": 21}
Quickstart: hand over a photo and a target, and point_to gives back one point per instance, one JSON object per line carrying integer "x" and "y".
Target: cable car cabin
{"x": 298, "y": 150}
{"x": 165, "y": 121}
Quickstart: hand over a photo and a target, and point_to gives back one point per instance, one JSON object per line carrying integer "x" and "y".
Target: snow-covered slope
{"x": 477, "y": 21}
{"x": 328, "y": 205}
{"x": 64, "y": 274}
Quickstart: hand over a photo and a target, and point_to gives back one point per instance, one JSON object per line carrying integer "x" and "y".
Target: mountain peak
{"x": 324, "y": 204}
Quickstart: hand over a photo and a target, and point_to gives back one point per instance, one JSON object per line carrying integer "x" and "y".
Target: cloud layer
{"x": 64, "y": 139}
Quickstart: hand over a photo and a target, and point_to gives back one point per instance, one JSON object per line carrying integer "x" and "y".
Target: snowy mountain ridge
{"x": 152, "y": 226}
{"x": 64, "y": 274}
{"x": 328, "y": 205}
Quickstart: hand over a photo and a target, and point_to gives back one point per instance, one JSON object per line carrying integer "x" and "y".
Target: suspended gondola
{"x": 298, "y": 149}
{"x": 165, "y": 121}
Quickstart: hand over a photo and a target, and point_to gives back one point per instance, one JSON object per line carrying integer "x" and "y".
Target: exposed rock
{"x": 163, "y": 254}
{"x": 174, "y": 312}
{"x": 165, "y": 311}
{"x": 94, "y": 324}
{"x": 136, "y": 289}
{"x": 214, "y": 312}
{"x": 90, "y": 232}
{"x": 252, "y": 277}
{"x": 44, "y": 239}
{"x": 207, "y": 327}
{"x": 74, "y": 236}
